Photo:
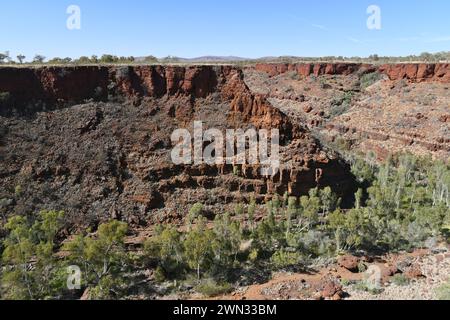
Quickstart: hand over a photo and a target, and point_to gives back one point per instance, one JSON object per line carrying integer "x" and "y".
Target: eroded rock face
{"x": 95, "y": 142}
{"x": 418, "y": 72}
{"x": 414, "y": 72}
{"x": 385, "y": 109}
{"x": 32, "y": 90}
{"x": 317, "y": 69}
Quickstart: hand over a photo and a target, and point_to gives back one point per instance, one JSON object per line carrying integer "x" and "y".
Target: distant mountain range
{"x": 214, "y": 59}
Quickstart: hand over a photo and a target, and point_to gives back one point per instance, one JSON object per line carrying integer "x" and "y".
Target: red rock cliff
{"x": 417, "y": 72}
{"x": 317, "y": 69}
{"x": 35, "y": 89}
{"x": 414, "y": 72}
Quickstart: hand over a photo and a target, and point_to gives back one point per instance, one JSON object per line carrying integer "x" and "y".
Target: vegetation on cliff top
{"x": 20, "y": 59}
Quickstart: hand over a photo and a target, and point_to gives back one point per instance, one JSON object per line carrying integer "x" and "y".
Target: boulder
{"x": 349, "y": 262}
{"x": 331, "y": 289}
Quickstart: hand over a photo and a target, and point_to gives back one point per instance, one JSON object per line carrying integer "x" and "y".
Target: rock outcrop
{"x": 317, "y": 69}
{"x": 417, "y": 72}
{"x": 414, "y": 72}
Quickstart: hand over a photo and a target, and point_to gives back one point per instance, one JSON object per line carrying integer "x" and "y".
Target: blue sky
{"x": 247, "y": 28}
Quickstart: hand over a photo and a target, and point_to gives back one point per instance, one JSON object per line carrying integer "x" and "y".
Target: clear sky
{"x": 246, "y": 28}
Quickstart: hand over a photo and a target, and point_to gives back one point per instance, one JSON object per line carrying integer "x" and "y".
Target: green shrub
{"x": 340, "y": 104}
{"x": 195, "y": 212}
{"x": 343, "y": 144}
{"x": 211, "y": 288}
{"x": 254, "y": 255}
{"x": 18, "y": 190}
{"x": 160, "y": 274}
{"x": 29, "y": 248}
{"x": 102, "y": 257}
{"x": 347, "y": 282}
{"x": 369, "y": 79}
{"x": 251, "y": 210}
{"x": 364, "y": 286}
{"x": 198, "y": 250}
{"x": 239, "y": 210}
{"x": 443, "y": 292}
{"x": 167, "y": 249}
{"x": 317, "y": 243}
{"x": 226, "y": 242}
{"x": 400, "y": 280}
{"x": 283, "y": 259}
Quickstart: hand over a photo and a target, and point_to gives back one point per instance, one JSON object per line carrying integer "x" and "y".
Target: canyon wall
{"x": 94, "y": 141}
{"x": 30, "y": 90}
{"x": 414, "y": 72}
{"x": 407, "y": 111}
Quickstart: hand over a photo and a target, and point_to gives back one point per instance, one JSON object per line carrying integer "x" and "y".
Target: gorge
{"x": 94, "y": 141}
